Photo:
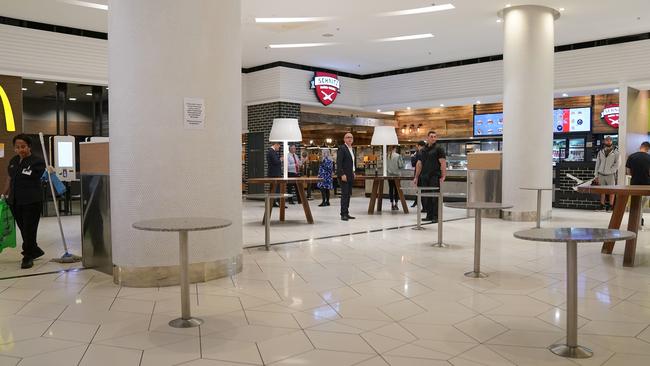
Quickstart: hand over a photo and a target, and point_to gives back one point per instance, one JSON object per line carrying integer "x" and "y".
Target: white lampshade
{"x": 384, "y": 135}
{"x": 285, "y": 129}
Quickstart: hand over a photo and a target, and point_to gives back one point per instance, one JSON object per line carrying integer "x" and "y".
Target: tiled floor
{"x": 371, "y": 299}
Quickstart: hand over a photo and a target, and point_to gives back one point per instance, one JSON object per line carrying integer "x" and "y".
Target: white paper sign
{"x": 194, "y": 111}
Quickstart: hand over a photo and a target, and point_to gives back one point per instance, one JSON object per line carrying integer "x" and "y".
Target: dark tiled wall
{"x": 565, "y": 196}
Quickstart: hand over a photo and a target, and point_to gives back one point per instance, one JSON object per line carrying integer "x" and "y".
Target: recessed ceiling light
{"x": 328, "y": 35}
{"x": 106, "y": 88}
{"x": 561, "y": 9}
{"x": 478, "y": 102}
{"x": 499, "y": 20}
{"x": 406, "y": 38}
{"x": 292, "y": 20}
{"x": 508, "y": 5}
{"x": 72, "y": 99}
{"x": 298, "y": 45}
{"x": 86, "y": 4}
{"x": 565, "y": 95}
{"x": 408, "y": 108}
{"x": 89, "y": 94}
{"x": 616, "y": 90}
{"x": 442, "y": 105}
{"x": 39, "y": 82}
{"x": 378, "y": 110}
{"x": 427, "y": 9}
{"x": 24, "y": 89}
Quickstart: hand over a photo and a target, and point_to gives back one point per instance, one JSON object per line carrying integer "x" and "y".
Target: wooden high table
{"x": 377, "y": 193}
{"x": 635, "y": 193}
{"x": 300, "y": 182}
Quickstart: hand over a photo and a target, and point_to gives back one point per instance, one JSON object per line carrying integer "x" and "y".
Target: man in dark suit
{"x": 274, "y": 163}
{"x": 345, "y": 171}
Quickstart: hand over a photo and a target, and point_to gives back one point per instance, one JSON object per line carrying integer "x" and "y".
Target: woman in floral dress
{"x": 325, "y": 174}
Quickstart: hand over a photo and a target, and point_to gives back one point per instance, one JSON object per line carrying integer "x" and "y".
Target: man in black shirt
{"x": 638, "y": 165}
{"x": 431, "y": 171}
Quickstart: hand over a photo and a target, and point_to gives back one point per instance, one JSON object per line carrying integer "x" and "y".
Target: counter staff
{"x": 431, "y": 171}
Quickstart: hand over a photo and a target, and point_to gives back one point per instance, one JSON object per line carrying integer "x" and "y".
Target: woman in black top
{"x": 25, "y": 195}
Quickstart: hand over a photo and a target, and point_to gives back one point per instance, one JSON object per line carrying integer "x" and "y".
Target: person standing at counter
{"x": 417, "y": 156}
{"x": 325, "y": 173}
{"x": 25, "y": 196}
{"x": 274, "y": 164}
{"x": 431, "y": 171}
{"x": 345, "y": 172}
{"x": 606, "y": 168}
{"x": 394, "y": 163}
{"x": 293, "y": 164}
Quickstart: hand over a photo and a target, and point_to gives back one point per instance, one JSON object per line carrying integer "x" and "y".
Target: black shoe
{"x": 27, "y": 263}
{"x": 275, "y": 204}
{"x": 351, "y": 217}
{"x": 344, "y": 218}
{"x": 414, "y": 204}
{"x": 432, "y": 219}
{"x": 322, "y": 204}
{"x": 39, "y": 254}
{"x": 292, "y": 202}
{"x": 327, "y": 203}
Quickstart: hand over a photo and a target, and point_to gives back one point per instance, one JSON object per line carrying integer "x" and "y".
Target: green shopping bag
{"x": 7, "y": 227}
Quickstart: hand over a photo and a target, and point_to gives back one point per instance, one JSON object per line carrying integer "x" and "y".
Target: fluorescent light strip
{"x": 428, "y": 9}
{"x": 299, "y": 45}
{"x": 86, "y": 4}
{"x": 406, "y": 38}
{"x": 292, "y": 20}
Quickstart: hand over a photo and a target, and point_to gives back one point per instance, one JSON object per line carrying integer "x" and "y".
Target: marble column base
{"x": 169, "y": 275}
{"x": 522, "y": 216}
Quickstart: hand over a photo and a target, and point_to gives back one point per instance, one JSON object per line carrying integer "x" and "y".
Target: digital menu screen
{"x": 572, "y": 120}
{"x": 488, "y": 124}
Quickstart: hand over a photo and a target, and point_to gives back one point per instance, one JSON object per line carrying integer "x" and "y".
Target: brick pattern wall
{"x": 260, "y": 119}
{"x": 565, "y": 196}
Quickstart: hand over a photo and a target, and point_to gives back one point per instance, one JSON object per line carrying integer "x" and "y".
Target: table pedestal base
{"x": 185, "y": 323}
{"x": 473, "y": 274}
{"x": 565, "y": 350}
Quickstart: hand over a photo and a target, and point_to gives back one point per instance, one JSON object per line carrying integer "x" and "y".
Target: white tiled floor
{"x": 371, "y": 299}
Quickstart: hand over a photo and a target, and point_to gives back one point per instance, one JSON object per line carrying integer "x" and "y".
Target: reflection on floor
{"x": 385, "y": 298}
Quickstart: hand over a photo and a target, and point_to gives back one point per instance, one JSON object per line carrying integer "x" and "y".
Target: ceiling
{"x": 470, "y": 30}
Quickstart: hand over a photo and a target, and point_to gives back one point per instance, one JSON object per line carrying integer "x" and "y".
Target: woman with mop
{"x": 25, "y": 195}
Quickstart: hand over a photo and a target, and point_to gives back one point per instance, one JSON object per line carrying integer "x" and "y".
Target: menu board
{"x": 488, "y": 124}
{"x": 572, "y": 120}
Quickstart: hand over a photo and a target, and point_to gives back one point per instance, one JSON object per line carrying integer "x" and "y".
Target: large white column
{"x": 633, "y": 128}
{"x": 528, "y": 107}
{"x": 161, "y": 51}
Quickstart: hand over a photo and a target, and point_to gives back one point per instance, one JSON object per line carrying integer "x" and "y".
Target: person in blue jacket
{"x": 25, "y": 195}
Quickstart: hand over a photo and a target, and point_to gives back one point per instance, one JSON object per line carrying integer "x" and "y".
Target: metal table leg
{"x": 539, "y": 208}
{"x": 476, "y": 273}
{"x": 439, "y": 244}
{"x": 267, "y": 222}
{"x": 419, "y": 210}
{"x": 186, "y": 320}
{"x": 571, "y": 349}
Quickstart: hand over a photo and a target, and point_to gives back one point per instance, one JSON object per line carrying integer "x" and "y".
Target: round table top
{"x": 478, "y": 205}
{"x": 182, "y": 224}
{"x": 536, "y": 188}
{"x": 582, "y": 235}
{"x": 269, "y": 195}
{"x": 631, "y": 190}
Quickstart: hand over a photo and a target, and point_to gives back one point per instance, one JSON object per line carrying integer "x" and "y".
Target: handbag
{"x": 59, "y": 187}
{"x": 7, "y": 227}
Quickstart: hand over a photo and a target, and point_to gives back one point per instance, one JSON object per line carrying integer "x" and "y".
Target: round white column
{"x": 528, "y": 56}
{"x": 160, "y": 52}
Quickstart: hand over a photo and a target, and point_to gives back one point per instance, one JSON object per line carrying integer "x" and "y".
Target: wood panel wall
{"x": 458, "y": 121}
{"x": 48, "y": 127}
{"x": 13, "y": 87}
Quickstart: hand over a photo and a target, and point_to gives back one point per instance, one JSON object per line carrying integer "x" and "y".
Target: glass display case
{"x": 576, "y": 149}
{"x": 559, "y": 150}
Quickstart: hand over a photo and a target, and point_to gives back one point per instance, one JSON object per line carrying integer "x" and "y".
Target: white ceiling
{"x": 468, "y": 31}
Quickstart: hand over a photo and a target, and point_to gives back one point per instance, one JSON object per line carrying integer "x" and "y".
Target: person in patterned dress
{"x": 325, "y": 173}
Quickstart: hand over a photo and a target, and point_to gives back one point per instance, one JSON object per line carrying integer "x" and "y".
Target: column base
{"x": 185, "y": 323}
{"x": 571, "y": 352}
{"x": 473, "y": 274}
{"x": 161, "y": 276}
{"x": 523, "y": 216}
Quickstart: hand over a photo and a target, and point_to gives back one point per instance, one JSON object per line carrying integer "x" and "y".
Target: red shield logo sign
{"x": 326, "y": 85}
{"x": 610, "y": 115}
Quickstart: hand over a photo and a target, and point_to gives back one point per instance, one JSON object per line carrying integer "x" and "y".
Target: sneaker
{"x": 27, "y": 263}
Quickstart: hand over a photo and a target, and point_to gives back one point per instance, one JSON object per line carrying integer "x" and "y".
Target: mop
{"x": 67, "y": 257}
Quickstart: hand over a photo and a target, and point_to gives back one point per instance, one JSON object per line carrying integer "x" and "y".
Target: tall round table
{"x": 477, "y": 207}
{"x": 267, "y": 197}
{"x": 539, "y": 201}
{"x": 572, "y": 236}
{"x": 419, "y": 191}
{"x": 183, "y": 225}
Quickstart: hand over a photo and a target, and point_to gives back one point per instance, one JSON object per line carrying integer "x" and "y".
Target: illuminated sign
{"x": 610, "y": 114}
{"x": 9, "y": 114}
{"x": 327, "y": 86}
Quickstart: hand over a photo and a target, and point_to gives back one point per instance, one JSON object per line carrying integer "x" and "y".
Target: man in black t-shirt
{"x": 431, "y": 171}
{"x": 638, "y": 165}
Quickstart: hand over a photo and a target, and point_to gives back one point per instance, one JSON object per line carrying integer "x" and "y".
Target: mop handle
{"x": 56, "y": 203}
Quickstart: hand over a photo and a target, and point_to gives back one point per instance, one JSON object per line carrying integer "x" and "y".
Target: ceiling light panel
{"x": 86, "y": 4}
{"x": 299, "y": 45}
{"x": 428, "y": 9}
{"x": 292, "y": 20}
{"x": 406, "y": 38}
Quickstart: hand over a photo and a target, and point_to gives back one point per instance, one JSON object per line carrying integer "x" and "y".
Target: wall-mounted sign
{"x": 326, "y": 85}
{"x": 9, "y": 114}
{"x": 610, "y": 114}
{"x": 194, "y": 113}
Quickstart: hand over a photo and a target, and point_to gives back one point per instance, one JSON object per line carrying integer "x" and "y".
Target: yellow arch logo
{"x": 9, "y": 114}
